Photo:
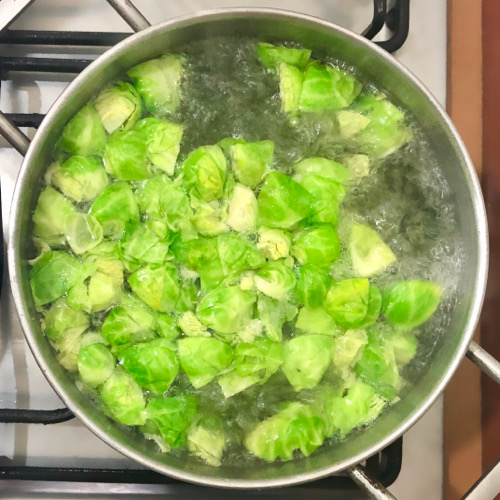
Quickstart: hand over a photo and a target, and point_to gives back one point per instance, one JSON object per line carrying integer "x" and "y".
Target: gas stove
{"x": 40, "y": 52}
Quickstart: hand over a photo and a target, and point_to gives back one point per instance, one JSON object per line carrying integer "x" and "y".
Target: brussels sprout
{"x": 84, "y": 134}
{"x": 68, "y": 346}
{"x": 358, "y": 406}
{"x": 251, "y": 330}
{"x": 125, "y": 155}
{"x": 116, "y": 209}
{"x": 358, "y": 165}
{"x": 172, "y": 416}
{"x": 84, "y": 233}
{"x": 95, "y": 364}
{"x": 237, "y": 254}
{"x": 327, "y": 195}
{"x": 206, "y": 439}
{"x": 61, "y": 317}
{"x": 158, "y": 83}
{"x": 153, "y": 365}
{"x": 131, "y": 322}
{"x": 351, "y": 122}
{"x": 275, "y": 280}
{"x": 327, "y": 87}
{"x": 52, "y": 275}
{"x": 324, "y": 167}
{"x": 205, "y": 169}
{"x": 157, "y": 286}
{"x": 52, "y": 216}
{"x": 119, "y": 106}
{"x": 163, "y": 142}
{"x": 347, "y": 302}
{"x": 274, "y": 243}
{"x": 347, "y": 350}
{"x": 209, "y": 219}
{"x": 291, "y": 79}
{"x": 306, "y": 359}
{"x": 374, "y": 306}
{"x": 191, "y": 326}
{"x": 312, "y": 285}
{"x": 317, "y": 320}
{"x": 386, "y": 132}
{"x": 250, "y": 160}
{"x": 403, "y": 344}
{"x": 243, "y": 209}
{"x": 161, "y": 199}
{"x": 296, "y": 426}
{"x": 273, "y": 314}
{"x": 318, "y": 245}
{"x": 143, "y": 246}
{"x": 226, "y": 310}
{"x": 282, "y": 201}
{"x": 80, "y": 178}
{"x": 410, "y": 303}
{"x": 272, "y": 55}
{"x": 369, "y": 254}
{"x": 166, "y": 327}
{"x": 122, "y": 398}
{"x": 202, "y": 358}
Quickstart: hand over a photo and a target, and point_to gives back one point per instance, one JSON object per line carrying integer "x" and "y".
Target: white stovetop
{"x": 21, "y": 383}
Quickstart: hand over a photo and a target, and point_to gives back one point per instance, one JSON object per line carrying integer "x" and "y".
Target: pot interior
{"x": 376, "y": 66}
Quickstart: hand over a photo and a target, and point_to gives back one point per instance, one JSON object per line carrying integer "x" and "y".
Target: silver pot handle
{"x": 371, "y": 486}
{"x": 130, "y": 14}
{"x": 12, "y": 134}
{"x": 485, "y": 361}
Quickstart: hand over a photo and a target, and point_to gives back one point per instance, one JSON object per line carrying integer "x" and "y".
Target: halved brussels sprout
{"x": 209, "y": 219}
{"x": 318, "y": 245}
{"x": 95, "y": 364}
{"x": 83, "y": 233}
{"x": 347, "y": 349}
{"x": 274, "y": 243}
{"x": 324, "y": 167}
{"x": 143, "y": 246}
{"x": 273, "y": 314}
{"x": 312, "y": 285}
{"x": 206, "y": 439}
{"x": 191, "y": 326}
{"x": 243, "y": 209}
{"x": 291, "y": 79}
{"x": 237, "y": 253}
{"x": 61, "y": 317}
{"x": 250, "y": 160}
{"x": 273, "y": 55}
{"x": 275, "y": 279}
{"x": 317, "y": 320}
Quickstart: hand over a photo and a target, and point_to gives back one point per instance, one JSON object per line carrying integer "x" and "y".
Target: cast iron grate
{"x": 384, "y": 466}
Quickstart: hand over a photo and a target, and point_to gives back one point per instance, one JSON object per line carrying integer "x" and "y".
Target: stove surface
{"x": 21, "y": 383}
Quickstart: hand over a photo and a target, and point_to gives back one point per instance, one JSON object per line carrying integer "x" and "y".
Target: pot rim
{"x": 472, "y": 316}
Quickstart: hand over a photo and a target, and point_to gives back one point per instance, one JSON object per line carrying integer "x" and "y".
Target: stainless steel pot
{"x": 324, "y": 38}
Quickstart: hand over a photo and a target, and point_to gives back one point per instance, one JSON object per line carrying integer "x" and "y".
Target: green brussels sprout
{"x": 274, "y": 243}
{"x": 202, "y": 358}
{"x": 52, "y": 275}
{"x": 358, "y": 165}
{"x": 157, "y": 286}
{"x": 153, "y": 365}
{"x": 327, "y": 195}
{"x": 161, "y": 199}
{"x": 324, "y": 167}
{"x": 351, "y": 122}
{"x": 311, "y": 285}
{"x": 410, "y": 303}
{"x": 250, "y": 160}
{"x": 205, "y": 170}
{"x": 209, "y": 219}
{"x": 296, "y": 427}
{"x": 122, "y": 398}
{"x": 52, "y": 216}
{"x": 95, "y": 364}
{"x": 236, "y": 253}
{"x": 83, "y": 233}
{"x": 125, "y": 155}
{"x": 386, "y": 132}
{"x": 226, "y": 310}
{"x": 61, "y": 317}
{"x": 273, "y": 314}
{"x": 327, "y": 87}
{"x": 116, "y": 209}
{"x": 369, "y": 254}
{"x": 130, "y": 322}
{"x": 291, "y": 79}
{"x": 318, "y": 245}
{"x": 275, "y": 280}
{"x": 317, "y": 320}
{"x": 243, "y": 210}
{"x": 163, "y": 142}
{"x": 403, "y": 344}
{"x": 84, "y": 134}
{"x": 158, "y": 82}
{"x": 272, "y": 55}
{"x": 306, "y": 359}
{"x": 374, "y": 306}
{"x": 166, "y": 326}
{"x": 172, "y": 416}
{"x": 67, "y": 347}
{"x": 347, "y": 302}
{"x": 191, "y": 326}
{"x": 206, "y": 439}
{"x": 143, "y": 246}
{"x": 119, "y": 106}
{"x": 347, "y": 350}
{"x": 358, "y": 406}
{"x": 80, "y": 178}
{"x": 282, "y": 201}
